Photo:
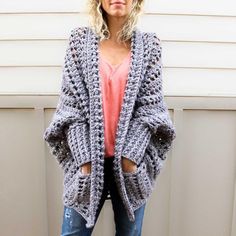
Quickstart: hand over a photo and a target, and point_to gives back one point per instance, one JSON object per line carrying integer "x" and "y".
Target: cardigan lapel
{"x": 132, "y": 87}
{"x": 96, "y": 114}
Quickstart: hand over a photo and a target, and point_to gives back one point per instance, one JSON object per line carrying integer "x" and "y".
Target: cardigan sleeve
{"x": 68, "y": 132}
{"x": 150, "y": 116}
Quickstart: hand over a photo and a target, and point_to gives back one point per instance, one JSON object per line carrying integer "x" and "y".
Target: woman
{"x": 111, "y": 129}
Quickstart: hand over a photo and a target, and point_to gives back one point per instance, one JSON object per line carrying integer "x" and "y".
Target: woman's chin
{"x": 118, "y": 14}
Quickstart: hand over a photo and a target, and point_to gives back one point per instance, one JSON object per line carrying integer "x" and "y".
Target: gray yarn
{"x": 144, "y": 134}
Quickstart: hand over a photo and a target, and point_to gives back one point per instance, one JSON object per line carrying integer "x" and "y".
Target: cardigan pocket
{"x": 154, "y": 162}
{"x": 79, "y": 142}
{"x": 77, "y": 190}
{"x": 154, "y": 166}
{"x": 138, "y": 185}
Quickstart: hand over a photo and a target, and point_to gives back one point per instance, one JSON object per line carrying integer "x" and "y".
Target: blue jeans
{"x": 74, "y": 224}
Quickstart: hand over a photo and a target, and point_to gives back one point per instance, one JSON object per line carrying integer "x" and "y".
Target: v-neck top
{"x": 113, "y": 83}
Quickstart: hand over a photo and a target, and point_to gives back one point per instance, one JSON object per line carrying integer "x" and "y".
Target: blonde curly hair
{"x": 98, "y": 20}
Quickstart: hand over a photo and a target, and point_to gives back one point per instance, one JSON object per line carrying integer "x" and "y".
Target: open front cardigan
{"x": 144, "y": 133}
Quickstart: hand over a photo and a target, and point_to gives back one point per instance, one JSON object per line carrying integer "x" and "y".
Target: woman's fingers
{"x": 86, "y": 168}
{"x": 128, "y": 165}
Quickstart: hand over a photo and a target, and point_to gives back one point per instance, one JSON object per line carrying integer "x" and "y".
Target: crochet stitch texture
{"x": 75, "y": 134}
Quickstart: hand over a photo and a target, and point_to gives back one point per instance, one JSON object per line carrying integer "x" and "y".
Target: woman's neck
{"x": 114, "y": 24}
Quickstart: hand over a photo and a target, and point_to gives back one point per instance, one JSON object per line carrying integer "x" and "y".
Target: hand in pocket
{"x": 86, "y": 168}
{"x": 128, "y": 165}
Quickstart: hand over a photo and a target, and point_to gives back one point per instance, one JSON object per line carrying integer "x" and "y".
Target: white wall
{"x": 199, "y": 44}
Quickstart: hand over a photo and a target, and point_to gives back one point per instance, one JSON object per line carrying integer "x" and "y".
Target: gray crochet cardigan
{"x": 75, "y": 134}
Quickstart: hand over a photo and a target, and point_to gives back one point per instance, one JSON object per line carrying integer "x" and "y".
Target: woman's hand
{"x": 86, "y": 168}
{"x": 128, "y": 165}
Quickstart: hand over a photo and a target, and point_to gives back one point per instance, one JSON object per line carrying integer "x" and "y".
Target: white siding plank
{"x": 57, "y": 26}
{"x": 32, "y": 53}
{"x": 199, "y": 55}
{"x": 30, "y": 80}
{"x": 175, "y": 54}
{"x": 176, "y": 81}
{"x": 43, "y": 6}
{"x": 205, "y": 82}
{"x": 39, "y": 26}
{"x": 191, "y": 28}
{"x": 207, "y": 7}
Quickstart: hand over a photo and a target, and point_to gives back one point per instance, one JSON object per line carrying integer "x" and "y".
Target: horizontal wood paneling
{"x": 198, "y": 44}
{"x": 33, "y": 80}
{"x": 208, "y": 82}
{"x": 208, "y": 7}
{"x": 32, "y": 53}
{"x": 176, "y": 81}
{"x": 168, "y": 27}
{"x": 39, "y": 26}
{"x": 175, "y": 54}
{"x": 179, "y": 103}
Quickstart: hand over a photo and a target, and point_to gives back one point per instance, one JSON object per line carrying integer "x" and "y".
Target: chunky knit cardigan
{"x": 144, "y": 133}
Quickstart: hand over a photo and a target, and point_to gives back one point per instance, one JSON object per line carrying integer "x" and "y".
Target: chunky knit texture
{"x": 144, "y": 133}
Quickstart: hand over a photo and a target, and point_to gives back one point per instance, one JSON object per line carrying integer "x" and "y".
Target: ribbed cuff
{"x": 79, "y": 143}
{"x": 136, "y": 141}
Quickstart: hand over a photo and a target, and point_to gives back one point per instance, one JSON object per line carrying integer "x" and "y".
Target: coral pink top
{"x": 113, "y": 83}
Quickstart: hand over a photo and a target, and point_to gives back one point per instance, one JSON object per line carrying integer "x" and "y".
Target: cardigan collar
{"x": 96, "y": 113}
